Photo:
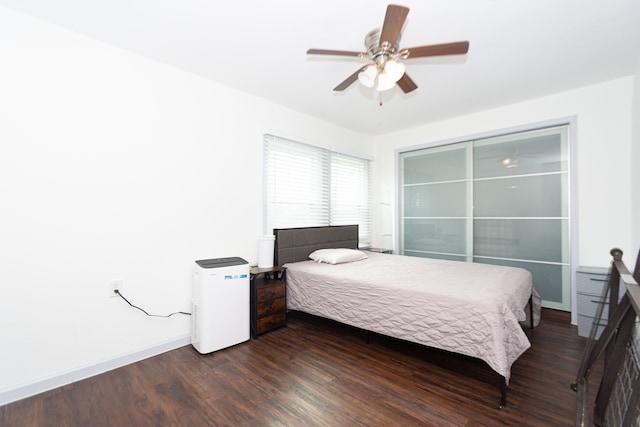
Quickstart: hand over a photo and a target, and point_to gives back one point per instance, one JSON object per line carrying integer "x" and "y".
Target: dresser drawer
{"x": 592, "y": 284}
{"x": 588, "y": 305}
{"x": 591, "y": 280}
{"x": 585, "y": 323}
{"x": 270, "y": 307}
{"x": 271, "y": 322}
{"x": 272, "y": 290}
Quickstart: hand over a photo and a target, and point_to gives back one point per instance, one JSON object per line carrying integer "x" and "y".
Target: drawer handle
{"x": 597, "y": 280}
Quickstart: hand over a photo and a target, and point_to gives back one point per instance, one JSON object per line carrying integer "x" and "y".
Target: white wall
{"x": 603, "y": 150}
{"x": 635, "y": 171}
{"x": 117, "y": 167}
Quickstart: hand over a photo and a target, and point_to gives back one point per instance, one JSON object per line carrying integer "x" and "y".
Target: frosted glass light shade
{"x": 368, "y": 76}
{"x": 391, "y": 73}
{"x": 385, "y": 82}
{"x": 394, "y": 69}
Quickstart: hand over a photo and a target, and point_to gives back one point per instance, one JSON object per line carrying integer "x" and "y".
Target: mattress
{"x": 467, "y": 308}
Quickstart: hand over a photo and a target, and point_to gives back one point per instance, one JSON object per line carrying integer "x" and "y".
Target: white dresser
{"x": 590, "y": 282}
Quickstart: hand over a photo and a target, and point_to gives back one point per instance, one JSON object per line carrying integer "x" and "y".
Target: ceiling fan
{"x": 384, "y": 53}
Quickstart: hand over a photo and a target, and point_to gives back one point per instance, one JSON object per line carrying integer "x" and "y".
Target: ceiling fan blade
{"x": 406, "y": 84}
{"x": 393, "y": 22}
{"x": 456, "y": 48}
{"x": 349, "y": 80}
{"x": 333, "y": 52}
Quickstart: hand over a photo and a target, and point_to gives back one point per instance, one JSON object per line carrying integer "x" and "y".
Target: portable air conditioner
{"x": 220, "y": 304}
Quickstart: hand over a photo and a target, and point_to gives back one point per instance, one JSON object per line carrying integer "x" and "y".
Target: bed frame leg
{"x": 503, "y": 391}
{"x": 531, "y": 311}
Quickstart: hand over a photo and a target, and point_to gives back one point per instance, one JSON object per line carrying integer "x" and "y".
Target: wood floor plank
{"x": 319, "y": 373}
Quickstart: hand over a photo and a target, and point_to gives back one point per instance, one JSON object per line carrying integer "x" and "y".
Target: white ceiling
{"x": 519, "y": 49}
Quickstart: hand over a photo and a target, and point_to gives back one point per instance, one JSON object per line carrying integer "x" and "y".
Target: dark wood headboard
{"x": 295, "y": 244}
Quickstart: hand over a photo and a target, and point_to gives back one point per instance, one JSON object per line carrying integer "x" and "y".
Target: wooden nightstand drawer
{"x": 273, "y": 321}
{"x": 268, "y": 299}
{"x": 275, "y": 289}
{"x": 270, "y": 307}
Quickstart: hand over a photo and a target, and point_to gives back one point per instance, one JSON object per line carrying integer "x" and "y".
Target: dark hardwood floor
{"x": 318, "y": 373}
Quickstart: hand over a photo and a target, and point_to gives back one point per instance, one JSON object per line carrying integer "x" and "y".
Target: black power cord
{"x": 151, "y": 315}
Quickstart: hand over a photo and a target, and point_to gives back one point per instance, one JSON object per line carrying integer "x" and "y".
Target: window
{"x": 306, "y": 186}
{"x": 501, "y": 200}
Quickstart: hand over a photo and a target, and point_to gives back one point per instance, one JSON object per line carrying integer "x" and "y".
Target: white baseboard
{"x": 49, "y": 383}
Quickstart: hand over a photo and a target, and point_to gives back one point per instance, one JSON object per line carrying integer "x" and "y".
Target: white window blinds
{"x": 350, "y": 203}
{"x": 307, "y": 186}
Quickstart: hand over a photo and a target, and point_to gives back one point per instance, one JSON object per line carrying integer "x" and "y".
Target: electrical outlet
{"x": 115, "y": 285}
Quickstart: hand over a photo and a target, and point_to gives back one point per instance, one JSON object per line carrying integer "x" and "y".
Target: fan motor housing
{"x": 372, "y": 43}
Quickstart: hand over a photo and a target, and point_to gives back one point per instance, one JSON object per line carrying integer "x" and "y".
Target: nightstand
{"x": 268, "y": 299}
{"x": 380, "y": 250}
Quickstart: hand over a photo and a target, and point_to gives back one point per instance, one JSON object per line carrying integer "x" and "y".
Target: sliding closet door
{"x": 521, "y": 208}
{"x": 502, "y": 200}
{"x": 435, "y": 202}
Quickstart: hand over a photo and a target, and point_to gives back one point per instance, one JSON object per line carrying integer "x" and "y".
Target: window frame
{"x": 337, "y": 179}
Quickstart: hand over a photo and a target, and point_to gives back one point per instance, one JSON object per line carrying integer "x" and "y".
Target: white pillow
{"x": 337, "y": 256}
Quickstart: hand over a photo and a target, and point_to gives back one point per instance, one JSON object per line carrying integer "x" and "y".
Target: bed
{"x": 471, "y": 309}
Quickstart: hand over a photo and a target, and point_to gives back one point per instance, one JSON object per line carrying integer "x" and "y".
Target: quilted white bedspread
{"x": 468, "y": 308}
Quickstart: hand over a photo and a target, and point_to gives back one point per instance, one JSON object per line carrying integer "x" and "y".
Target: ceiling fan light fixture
{"x": 509, "y": 163}
{"x": 368, "y": 76}
{"x": 383, "y": 48}
{"x": 391, "y": 73}
{"x": 394, "y": 69}
{"x": 385, "y": 82}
